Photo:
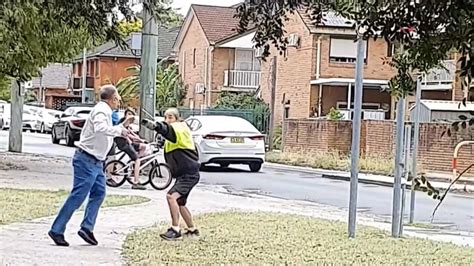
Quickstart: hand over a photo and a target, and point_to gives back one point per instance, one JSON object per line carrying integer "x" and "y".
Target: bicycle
{"x": 157, "y": 174}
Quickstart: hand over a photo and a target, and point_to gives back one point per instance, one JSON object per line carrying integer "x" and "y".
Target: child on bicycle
{"x": 134, "y": 147}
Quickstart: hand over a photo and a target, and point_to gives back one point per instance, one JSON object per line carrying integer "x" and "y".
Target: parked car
{"x": 4, "y": 116}
{"x": 29, "y": 119}
{"x": 227, "y": 140}
{"x": 45, "y": 120}
{"x": 69, "y": 124}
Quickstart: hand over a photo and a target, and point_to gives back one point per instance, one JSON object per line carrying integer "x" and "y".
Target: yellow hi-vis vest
{"x": 184, "y": 140}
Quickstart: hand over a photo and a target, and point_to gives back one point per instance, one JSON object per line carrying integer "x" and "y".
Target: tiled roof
{"x": 55, "y": 75}
{"x": 166, "y": 39}
{"x": 218, "y": 23}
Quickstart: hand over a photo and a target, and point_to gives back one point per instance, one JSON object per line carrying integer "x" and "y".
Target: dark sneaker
{"x": 171, "y": 235}
{"x": 58, "y": 239}
{"x": 88, "y": 236}
{"x": 138, "y": 187}
{"x": 111, "y": 182}
{"x": 194, "y": 233}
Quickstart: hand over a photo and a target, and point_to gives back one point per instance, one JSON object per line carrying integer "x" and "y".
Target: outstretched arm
{"x": 162, "y": 128}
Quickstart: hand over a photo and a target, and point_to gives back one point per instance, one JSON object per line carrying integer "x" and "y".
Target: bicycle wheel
{"x": 144, "y": 174}
{"x": 160, "y": 176}
{"x": 110, "y": 170}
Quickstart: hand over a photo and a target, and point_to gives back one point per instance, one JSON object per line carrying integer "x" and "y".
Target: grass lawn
{"x": 332, "y": 161}
{"x": 265, "y": 238}
{"x": 20, "y": 205}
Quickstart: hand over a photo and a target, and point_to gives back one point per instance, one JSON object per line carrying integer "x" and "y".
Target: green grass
{"x": 265, "y": 238}
{"x": 332, "y": 161}
{"x": 20, "y": 205}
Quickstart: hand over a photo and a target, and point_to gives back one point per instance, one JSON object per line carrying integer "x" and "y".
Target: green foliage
{"x": 5, "y": 84}
{"x": 380, "y": 19}
{"x": 36, "y": 32}
{"x": 335, "y": 114}
{"x": 239, "y": 100}
{"x": 127, "y": 27}
{"x": 170, "y": 90}
{"x": 277, "y": 137}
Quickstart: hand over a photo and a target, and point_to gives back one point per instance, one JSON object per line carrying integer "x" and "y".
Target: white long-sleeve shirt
{"x": 98, "y": 133}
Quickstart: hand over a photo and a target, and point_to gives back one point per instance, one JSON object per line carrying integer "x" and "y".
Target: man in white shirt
{"x": 96, "y": 140}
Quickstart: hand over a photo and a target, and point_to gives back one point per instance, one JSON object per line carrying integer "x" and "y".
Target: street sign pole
{"x": 149, "y": 57}
{"x": 415, "y": 149}
{"x": 397, "y": 185}
{"x": 356, "y": 125}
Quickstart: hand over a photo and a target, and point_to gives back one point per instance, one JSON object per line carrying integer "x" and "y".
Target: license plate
{"x": 236, "y": 140}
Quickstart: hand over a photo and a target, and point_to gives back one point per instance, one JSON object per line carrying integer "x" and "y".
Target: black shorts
{"x": 183, "y": 186}
{"x": 130, "y": 149}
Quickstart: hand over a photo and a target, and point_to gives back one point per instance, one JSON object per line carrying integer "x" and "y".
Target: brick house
{"x": 108, "y": 63}
{"x": 53, "y": 85}
{"x": 315, "y": 74}
{"x": 213, "y": 57}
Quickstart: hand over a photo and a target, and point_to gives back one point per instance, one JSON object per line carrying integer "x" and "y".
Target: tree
{"x": 5, "y": 84}
{"x": 440, "y": 27}
{"x": 172, "y": 19}
{"x": 170, "y": 91}
{"x": 37, "y": 32}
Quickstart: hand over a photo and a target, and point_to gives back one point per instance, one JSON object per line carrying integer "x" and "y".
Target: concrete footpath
{"x": 28, "y": 244}
{"x": 439, "y": 181}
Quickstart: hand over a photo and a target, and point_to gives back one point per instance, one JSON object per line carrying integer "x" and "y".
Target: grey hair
{"x": 174, "y": 112}
{"x": 107, "y": 92}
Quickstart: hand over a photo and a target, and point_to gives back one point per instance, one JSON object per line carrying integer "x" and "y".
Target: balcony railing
{"x": 440, "y": 77}
{"x": 242, "y": 79}
{"x": 366, "y": 114}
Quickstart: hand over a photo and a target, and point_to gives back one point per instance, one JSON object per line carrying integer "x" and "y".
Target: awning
{"x": 244, "y": 42}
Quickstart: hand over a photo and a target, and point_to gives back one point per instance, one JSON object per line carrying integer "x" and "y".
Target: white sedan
{"x": 226, "y": 140}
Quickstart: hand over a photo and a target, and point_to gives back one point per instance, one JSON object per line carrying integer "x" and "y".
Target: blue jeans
{"x": 89, "y": 180}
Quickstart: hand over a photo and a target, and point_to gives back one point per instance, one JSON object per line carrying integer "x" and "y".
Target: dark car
{"x": 69, "y": 124}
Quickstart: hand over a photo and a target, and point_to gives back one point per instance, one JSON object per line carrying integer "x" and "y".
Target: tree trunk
{"x": 16, "y": 124}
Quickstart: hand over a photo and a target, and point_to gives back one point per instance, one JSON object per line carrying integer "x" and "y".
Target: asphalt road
{"x": 457, "y": 212}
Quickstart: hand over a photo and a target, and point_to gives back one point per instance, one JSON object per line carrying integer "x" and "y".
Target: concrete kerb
{"x": 364, "y": 178}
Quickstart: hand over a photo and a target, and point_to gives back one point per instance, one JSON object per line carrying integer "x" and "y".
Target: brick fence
{"x": 378, "y": 139}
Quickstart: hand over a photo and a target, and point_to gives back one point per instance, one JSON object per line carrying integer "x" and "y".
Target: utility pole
{"x": 149, "y": 57}
{"x": 16, "y": 125}
{"x": 356, "y": 125}
{"x": 272, "y": 103}
{"x": 397, "y": 185}
{"x": 84, "y": 74}
{"x": 415, "y": 149}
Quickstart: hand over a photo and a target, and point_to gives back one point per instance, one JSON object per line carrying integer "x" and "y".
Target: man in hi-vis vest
{"x": 183, "y": 160}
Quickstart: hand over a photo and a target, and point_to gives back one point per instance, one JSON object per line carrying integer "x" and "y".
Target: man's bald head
{"x": 109, "y": 94}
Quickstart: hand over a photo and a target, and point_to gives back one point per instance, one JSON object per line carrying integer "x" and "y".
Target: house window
{"x": 246, "y": 60}
{"x": 392, "y": 49}
{"x": 365, "y": 106}
{"x": 345, "y": 51}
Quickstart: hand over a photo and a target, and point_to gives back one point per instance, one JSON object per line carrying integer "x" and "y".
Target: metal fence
{"x": 260, "y": 118}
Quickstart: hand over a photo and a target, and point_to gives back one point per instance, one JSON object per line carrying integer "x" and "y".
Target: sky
{"x": 184, "y": 5}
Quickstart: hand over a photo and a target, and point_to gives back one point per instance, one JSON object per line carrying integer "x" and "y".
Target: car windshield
{"x": 83, "y": 113}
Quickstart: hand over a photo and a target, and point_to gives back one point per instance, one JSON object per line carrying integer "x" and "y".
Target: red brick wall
{"x": 192, "y": 62}
{"x": 378, "y": 139}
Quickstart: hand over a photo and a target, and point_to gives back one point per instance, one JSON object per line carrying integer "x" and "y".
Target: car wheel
{"x": 69, "y": 138}
{"x": 53, "y": 136}
{"x": 42, "y": 130}
{"x": 255, "y": 167}
{"x": 224, "y": 165}
{"x": 1, "y": 124}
